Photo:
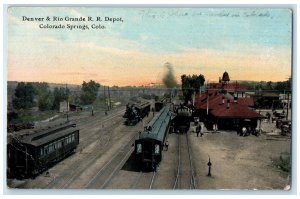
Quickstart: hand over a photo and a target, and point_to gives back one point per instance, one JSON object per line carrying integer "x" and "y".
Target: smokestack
{"x": 235, "y": 99}
{"x": 228, "y": 103}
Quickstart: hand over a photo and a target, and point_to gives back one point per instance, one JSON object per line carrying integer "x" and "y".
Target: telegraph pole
{"x": 287, "y": 107}
{"x": 109, "y": 105}
{"x": 104, "y": 96}
{"x": 67, "y": 103}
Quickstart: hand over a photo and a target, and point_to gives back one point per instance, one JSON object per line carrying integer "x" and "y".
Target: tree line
{"x": 28, "y": 95}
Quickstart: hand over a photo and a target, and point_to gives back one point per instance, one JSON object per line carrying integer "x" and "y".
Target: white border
{"x": 156, "y": 3}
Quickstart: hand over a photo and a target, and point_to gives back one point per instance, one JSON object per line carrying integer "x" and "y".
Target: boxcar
{"x": 31, "y": 152}
{"x": 149, "y": 146}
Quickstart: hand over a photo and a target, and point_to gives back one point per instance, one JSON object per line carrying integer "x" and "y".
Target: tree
{"x": 191, "y": 85}
{"x": 89, "y": 92}
{"x": 285, "y": 85}
{"x": 24, "y": 96}
{"x": 59, "y": 95}
{"x": 45, "y": 97}
{"x": 45, "y": 100}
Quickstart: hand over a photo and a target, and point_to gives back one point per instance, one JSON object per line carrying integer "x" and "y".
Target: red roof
{"x": 201, "y": 101}
{"x": 246, "y": 101}
{"x": 235, "y": 110}
{"x": 217, "y": 108}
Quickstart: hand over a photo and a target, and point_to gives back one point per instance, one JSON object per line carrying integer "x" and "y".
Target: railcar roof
{"x": 43, "y": 136}
{"x": 158, "y": 125}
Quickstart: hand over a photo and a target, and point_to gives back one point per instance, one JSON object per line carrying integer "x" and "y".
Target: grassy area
{"x": 33, "y": 116}
{"x": 283, "y": 162}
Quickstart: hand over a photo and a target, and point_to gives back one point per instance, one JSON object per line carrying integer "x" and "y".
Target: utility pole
{"x": 207, "y": 99}
{"x": 109, "y": 101}
{"x": 67, "y": 103}
{"x": 287, "y": 107}
{"x": 104, "y": 96}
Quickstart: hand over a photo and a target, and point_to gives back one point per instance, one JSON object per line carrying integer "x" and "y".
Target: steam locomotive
{"x": 136, "y": 112}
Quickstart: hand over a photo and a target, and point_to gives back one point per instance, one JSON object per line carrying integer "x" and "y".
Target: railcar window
{"x": 46, "y": 150}
{"x": 59, "y": 143}
{"x": 139, "y": 148}
{"x": 51, "y": 148}
{"x": 156, "y": 151}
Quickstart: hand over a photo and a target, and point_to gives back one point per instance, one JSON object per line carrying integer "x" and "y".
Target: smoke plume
{"x": 169, "y": 78}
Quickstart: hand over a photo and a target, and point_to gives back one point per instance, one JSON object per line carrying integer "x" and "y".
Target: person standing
{"x": 198, "y": 130}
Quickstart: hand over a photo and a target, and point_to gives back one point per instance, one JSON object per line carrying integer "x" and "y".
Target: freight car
{"x": 31, "y": 152}
{"x": 149, "y": 146}
{"x": 136, "y": 112}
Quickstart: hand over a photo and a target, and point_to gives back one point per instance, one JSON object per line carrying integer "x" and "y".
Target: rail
{"x": 137, "y": 181}
{"x": 107, "y": 172}
{"x": 185, "y": 162}
{"x": 192, "y": 173}
{"x": 76, "y": 170}
{"x": 176, "y": 184}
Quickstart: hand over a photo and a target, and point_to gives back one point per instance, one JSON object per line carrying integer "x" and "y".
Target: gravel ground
{"x": 239, "y": 162}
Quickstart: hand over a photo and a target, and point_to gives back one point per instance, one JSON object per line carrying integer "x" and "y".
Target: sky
{"x": 248, "y": 43}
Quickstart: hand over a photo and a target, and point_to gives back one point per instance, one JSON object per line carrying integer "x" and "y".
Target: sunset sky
{"x": 250, "y": 44}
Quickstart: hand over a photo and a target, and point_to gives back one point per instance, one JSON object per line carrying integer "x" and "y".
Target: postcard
{"x": 139, "y": 98}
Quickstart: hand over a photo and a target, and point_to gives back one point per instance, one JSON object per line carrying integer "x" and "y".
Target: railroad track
{"x": 92, "y": 135}
{"x": 185, "y": 177}
{"x": 144, "y": 180}
{"x": 108, "y": 171}
{"x": 64, "y": 180}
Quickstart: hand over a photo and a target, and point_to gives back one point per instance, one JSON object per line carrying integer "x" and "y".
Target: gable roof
{"x": 217, "y": 104}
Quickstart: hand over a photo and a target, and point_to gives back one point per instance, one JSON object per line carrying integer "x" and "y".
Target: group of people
{"x": 246, "y": 131}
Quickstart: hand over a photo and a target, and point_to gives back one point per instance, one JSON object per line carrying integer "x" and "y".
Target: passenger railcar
{"x": 31, "y": 152}
{"x": 149, "y": 146}
{"x": 158, "y": 105}
{"x": 136, "y": 112}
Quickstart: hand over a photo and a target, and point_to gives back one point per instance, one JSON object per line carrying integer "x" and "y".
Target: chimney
{"x": 223, "y": 100}
{"x": 235, "y": 99}
{"x": 228, "y": 103}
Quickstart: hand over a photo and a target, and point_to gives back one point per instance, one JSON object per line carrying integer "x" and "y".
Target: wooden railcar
{"x": 31, "y": 152}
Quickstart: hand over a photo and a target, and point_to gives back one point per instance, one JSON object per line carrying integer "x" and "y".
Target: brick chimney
{"x": 235, "y": 99}
{"x": 228, "y": 103}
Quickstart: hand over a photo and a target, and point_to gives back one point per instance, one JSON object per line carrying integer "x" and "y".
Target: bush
{"x": 283, "y": 163}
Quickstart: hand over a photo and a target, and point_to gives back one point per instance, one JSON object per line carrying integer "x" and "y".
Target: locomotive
{"x": 136, "y": 112}
{"x": 30, "y": 152}
{"x": 181, "y": 122}
{"x": 149, "y": 146}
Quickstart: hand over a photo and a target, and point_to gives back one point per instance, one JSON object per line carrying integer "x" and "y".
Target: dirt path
{"x": 238, "y": 162}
